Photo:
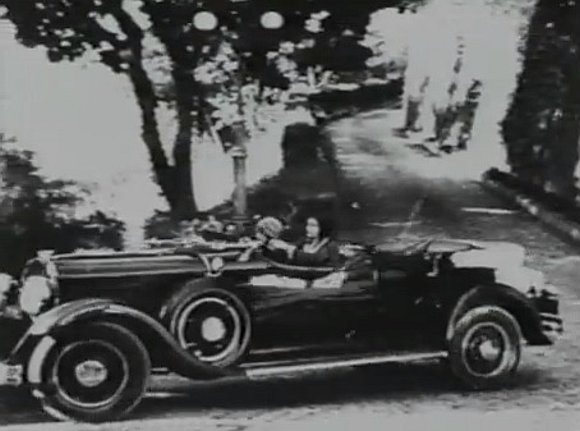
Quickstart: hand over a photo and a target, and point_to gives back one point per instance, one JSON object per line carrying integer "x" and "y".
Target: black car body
{"x": 101, "y": 320}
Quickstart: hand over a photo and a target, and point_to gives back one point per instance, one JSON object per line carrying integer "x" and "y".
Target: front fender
{"x": 508, "y": 298}
{"x": 43, "y": 325}
{"x": 39, "y": 339}
{"x": 69, "y": 312}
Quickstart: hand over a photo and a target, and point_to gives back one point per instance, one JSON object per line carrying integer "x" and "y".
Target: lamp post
{"x": 239, "y": 155}
{"x": 270, "y": 20}
{"x": 207, "y": 21}
{"x": 240, "y": 198}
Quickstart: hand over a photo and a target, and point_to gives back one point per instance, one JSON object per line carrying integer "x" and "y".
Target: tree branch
{"x": 147, "y": 100}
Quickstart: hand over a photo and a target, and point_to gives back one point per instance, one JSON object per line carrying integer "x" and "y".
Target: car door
{"x": 286, "y": 310}
{"x": 358, "y": 311}
{"x": 407, "y": 291}
{"x": 385, "y": 305}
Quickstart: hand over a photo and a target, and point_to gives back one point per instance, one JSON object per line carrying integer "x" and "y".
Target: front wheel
{"x": 98, "y": 372}
{"x": 485, "y": 348}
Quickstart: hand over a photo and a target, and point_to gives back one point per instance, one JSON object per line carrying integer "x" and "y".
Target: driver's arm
{"x": 326, "y": 256}
{"x": 247, "y": 254}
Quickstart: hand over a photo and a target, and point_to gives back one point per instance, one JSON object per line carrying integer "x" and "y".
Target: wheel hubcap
{"x": 210, "y": 328}
{"x": 213, "y": 329}
{"x": 489, "y": 351}
{"x": 91, "y": 373}
{"x": 484, "y": 349}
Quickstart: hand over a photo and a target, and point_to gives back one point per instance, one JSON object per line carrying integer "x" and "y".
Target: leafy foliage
{"x": 542, "y": 127}
{"x": 130, "y": 36}
{"x": 36, "y": 213}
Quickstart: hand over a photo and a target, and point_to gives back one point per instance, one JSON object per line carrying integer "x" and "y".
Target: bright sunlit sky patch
{"x": 83, "y": 124}
{"x": 82, "y": 121}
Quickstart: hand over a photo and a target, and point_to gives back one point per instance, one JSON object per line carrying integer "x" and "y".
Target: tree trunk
{"x": 175, "y": 181}
{"x": 184, "y": 85}
{"x": 164, "y": 173}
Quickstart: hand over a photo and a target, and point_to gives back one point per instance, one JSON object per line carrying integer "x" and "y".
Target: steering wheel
{"x": 420, "y": 246}
{"x": 251, "y": 248}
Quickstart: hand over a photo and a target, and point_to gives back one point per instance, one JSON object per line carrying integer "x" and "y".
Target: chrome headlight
{"x": 536, "y": 283}
{"x": 34, "y": 293}
{"x": 217, "y": 264}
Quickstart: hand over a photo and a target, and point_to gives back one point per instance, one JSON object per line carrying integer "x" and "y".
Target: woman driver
{"x": 315, "y": 249}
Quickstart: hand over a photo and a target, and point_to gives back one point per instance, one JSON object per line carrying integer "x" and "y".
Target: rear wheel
{"x": 211, "y": 324}
{"x": 485, "y": 348}
{"x": 97, "y": 373}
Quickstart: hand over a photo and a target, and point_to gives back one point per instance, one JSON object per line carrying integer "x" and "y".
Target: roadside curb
{"x": 551, "y": 219}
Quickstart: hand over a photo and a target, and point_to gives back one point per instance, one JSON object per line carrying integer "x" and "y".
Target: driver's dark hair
{"x": 327, "y": 226}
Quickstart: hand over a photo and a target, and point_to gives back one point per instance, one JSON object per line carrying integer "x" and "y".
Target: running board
{"x": 264, "y": 369}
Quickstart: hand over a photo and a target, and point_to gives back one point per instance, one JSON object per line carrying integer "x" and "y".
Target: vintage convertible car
{"x": 88, "y": 329}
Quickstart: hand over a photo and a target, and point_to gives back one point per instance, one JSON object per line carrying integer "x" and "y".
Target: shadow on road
{"x": 396, "y": 383}
{"x": 172, "y": 396}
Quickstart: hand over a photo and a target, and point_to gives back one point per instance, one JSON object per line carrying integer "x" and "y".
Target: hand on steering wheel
{"x": 247, "y": 253}
{"x": 419, "y": 246}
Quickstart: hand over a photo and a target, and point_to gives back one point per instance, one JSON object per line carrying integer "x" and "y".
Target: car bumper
{"x": 547, "y": 302}
{"x": 552, "y": 326}
{"x": 11, "y": 374}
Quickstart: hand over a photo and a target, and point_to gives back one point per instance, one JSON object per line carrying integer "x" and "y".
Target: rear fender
{"x": 162, "y": 346}
{"x": 505, "y": 297}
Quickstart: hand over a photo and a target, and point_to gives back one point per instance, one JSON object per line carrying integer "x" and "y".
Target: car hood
{"x": 115, "y": 264}
{"x": 485, "y": 254}
{"x": 462, "y": 252}
{"x": 107, "y": 263}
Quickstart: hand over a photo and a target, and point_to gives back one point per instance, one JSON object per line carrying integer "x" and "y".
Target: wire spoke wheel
{"x": 97, "y": 373}
{"x": 485, "y": 347}
{"x": 210, "y": 328}
{"x": 211, "y": 324}
{"x": 90, "y": 373}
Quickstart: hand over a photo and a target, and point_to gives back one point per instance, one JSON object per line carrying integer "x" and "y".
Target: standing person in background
{"x": 468, "y": 112}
